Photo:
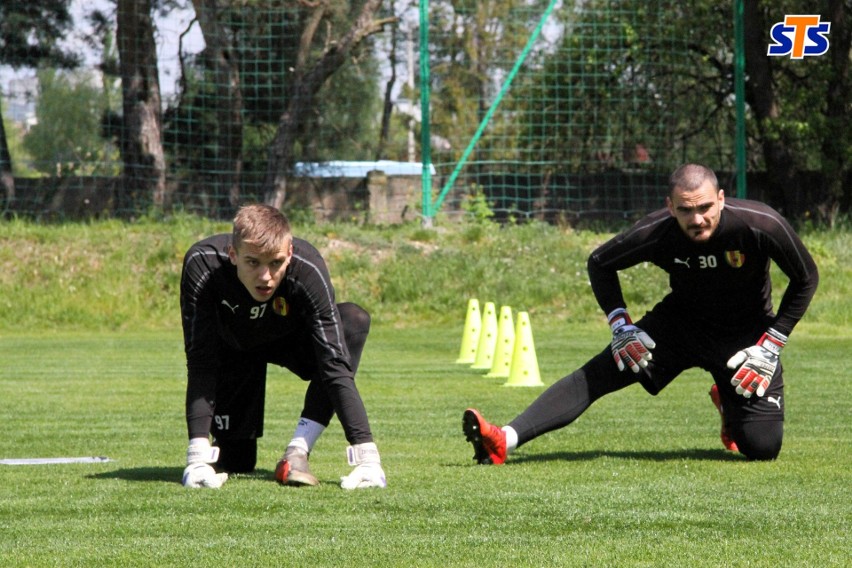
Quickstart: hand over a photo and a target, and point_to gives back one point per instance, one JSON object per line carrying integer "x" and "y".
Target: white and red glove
{"x": 630, "y": 345}
{"x": 757, "y": 364}
{"x": 198, "y": 473}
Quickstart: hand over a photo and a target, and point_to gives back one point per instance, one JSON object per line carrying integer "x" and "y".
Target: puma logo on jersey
{"x": 777, "y": 401}
{"x": 230, "y": 307}
{"x": 683, "y": 262}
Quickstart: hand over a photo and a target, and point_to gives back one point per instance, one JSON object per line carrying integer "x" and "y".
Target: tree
{"x": 778, "y": 142}
{"x": 837, "y": 141}
{"x": 28, "y": 37}
{"x": 222, "y": 57}
{"x": 22, "y": 162}
{"x": 621, "y": 82}
{"x": 218, "y": 131}
{"x": 308, "y": 76}
{"x": 474, "y": 47}
{"x": 801, "y": 109}
{"x": 7, "y": 180}
{"x": 66, "y": 139}
{"x": 141, "y": 141}
{"x": 648, "y": 72}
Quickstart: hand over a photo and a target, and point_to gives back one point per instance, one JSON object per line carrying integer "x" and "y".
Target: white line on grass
{"x": 44, "y": 461}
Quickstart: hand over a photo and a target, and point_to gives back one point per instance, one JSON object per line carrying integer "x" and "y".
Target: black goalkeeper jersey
{"x": 219, "y": 315}
{"x": 722, "y": 284}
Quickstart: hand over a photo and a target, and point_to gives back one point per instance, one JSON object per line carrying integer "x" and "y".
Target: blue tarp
{"x": 347, "y": 169}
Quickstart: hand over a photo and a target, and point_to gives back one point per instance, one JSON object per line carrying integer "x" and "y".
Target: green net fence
{"x": 538, "y": 109}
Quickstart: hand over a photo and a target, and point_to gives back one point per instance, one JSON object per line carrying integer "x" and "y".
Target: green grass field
{"x": 636, "y": 481}
{"x": 91, "y": 364}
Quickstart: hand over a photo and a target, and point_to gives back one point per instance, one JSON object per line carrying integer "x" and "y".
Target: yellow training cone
{"x": 487, "y": 338}
{"x": 502, "y": 363}
{"x": 524, "y": 371}
{"x": 470, "y": 337}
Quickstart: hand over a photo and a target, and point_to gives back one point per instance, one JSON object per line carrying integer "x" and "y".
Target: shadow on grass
{"x": 169, "y": 474}
{"x": 658, "y": 456}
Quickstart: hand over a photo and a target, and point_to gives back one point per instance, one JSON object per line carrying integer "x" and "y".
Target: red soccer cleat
{"x": 489, "y": 441}
{"x": 727, "y": 441}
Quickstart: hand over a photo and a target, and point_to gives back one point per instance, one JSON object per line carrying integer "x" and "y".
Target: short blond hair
{"x": 262, "y": 226}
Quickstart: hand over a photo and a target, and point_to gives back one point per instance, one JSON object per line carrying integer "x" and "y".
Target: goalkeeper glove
{"x": 368, "y": 468}
{"x": 757, "y": 364}
{"x": 202, "y": 475}
{"x": 198, "y": 472}
{"x": 630, "y": 345}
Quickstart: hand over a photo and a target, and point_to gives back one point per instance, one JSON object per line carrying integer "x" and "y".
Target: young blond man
{"x": 257, "y": 296}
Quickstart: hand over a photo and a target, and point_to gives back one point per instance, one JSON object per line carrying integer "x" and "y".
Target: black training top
{"x": 218, "y": 312}
{"x": 723, "y": 283}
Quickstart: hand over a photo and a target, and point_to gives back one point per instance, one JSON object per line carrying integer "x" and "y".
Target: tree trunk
{"x": 838, "y": 102}
{"x": 763, "y": 100}
{"x": 387, "y": 104}
{"x": 228, "y": 164}
{"x": 306, "y": 84}
{"x": 141, "y": 144}
{"x": 7, "y": 181}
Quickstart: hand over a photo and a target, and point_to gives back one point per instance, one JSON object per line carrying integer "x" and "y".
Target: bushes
{"x": 115, "y": 275}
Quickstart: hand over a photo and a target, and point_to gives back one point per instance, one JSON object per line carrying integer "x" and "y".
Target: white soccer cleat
{"x": 368, "y": 470}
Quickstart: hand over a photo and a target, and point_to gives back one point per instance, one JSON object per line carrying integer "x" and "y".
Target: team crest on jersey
{"x": 734, "y": 258}
{"x": 280, "y": 306}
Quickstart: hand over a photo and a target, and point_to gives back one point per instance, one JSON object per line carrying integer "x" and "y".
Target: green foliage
{"x": 637, "y": 481}
{"x": 265, "y": 41}
{"x": 832, "y": 252}
{"x": 623, "y": 90}
{"x": 124, "y": 275}
{"x": 344, "y": 125}
{"x": 611, "y": 90}
{"x": 67, "y": 138}
{"x": 473, "y": 47}
{"x": 21, "y": 160}
{"x": 30, "y": 33}
{"x": 477, "y": 210}
{"x": 804, "y": 123}
{"x": 104, "y": 275}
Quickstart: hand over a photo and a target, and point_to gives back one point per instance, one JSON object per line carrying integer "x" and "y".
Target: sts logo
{"x": 799, "y": 37}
